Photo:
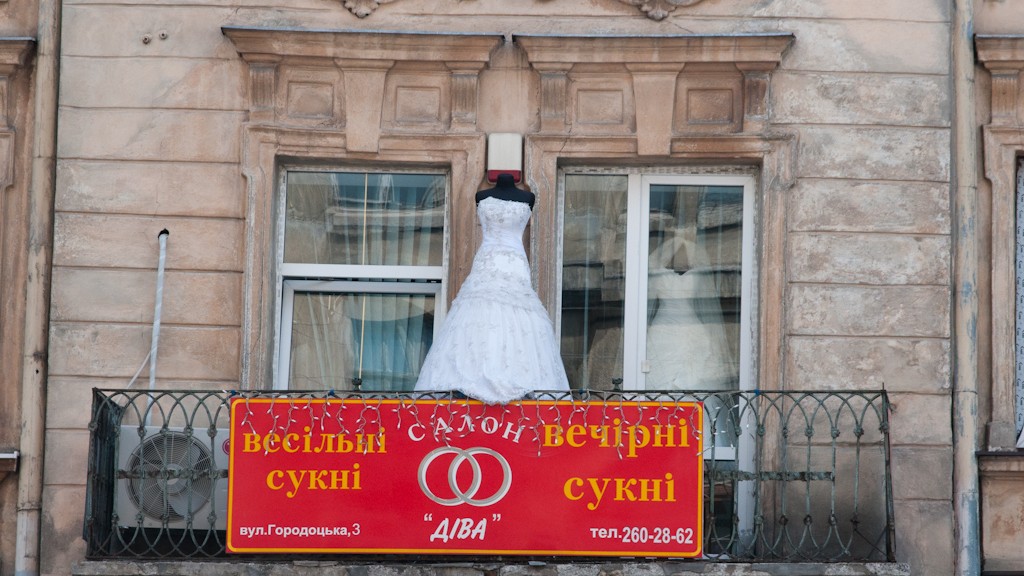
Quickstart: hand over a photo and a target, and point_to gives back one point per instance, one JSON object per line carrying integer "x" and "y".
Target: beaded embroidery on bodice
{"x": 497, "y": 343}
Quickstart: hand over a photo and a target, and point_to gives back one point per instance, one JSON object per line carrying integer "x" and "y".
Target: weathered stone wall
{"x": 153, "y": 98}
{"x": 17, "y": 28}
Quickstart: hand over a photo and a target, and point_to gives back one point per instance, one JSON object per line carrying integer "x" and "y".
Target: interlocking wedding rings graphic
{"x": 467, "y": 496}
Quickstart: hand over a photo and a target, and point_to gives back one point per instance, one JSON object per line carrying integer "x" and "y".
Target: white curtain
{"x": 362, "y": 336}
{"x": 1019, "y": 344}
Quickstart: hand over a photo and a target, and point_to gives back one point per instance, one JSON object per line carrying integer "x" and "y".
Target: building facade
{"x": 847, "y": 177}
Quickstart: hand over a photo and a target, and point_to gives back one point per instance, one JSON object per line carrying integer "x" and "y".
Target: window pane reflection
{"x": 379, "y": 340}
{"x": 362, "y": 218}
{"x": 593, "y": 279}
{"x": 693, "y": 287}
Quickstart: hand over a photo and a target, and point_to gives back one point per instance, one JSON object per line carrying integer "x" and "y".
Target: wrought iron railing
{"x": 788, "y": 476}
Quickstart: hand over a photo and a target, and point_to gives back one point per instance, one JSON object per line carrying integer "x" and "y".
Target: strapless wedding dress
{"x": 497, "y": 343}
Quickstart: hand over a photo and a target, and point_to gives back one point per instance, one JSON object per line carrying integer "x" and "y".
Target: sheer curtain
{"x": 1019, "y": 344}
{"x": 692, "y": 285}
{"x": 593, "y": 279}
{"x": 365, "y": 330}
{"x": 693, "y": 279}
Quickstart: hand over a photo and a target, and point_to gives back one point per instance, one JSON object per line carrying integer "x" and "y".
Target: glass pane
{"x": 593, "y": 279}
{"x": 693, "y": 287}
{"x": 341, "y": 338}
{"x": 361, "y": 218}
{"x": 1019, "y": 340}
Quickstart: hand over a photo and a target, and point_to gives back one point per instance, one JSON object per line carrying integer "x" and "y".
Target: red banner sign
{"x": 461, "y": 477}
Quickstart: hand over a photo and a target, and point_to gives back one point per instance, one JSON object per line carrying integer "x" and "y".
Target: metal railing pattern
{"x": 789, "y": 476}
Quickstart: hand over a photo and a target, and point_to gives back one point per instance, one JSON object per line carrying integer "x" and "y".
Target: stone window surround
{"x": 14, "y": 55}
{"x": 1003, "y": 143}
{"x": 350, "y": 121}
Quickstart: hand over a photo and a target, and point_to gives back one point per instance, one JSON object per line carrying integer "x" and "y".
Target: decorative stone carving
{"x": 363, "y": 82}
{"x": 363, "y": 8}
{"x": 465, "y": 83}
{"x": 14, "y": 55}
{"x": 659, "y": 9}
{"x": 262, "y": 79}
{"x": 669, "y": 85}
{"x": 1003, "y": 56}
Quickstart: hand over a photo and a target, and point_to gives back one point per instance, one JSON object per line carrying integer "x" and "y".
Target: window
{"x": 1019, "y": 341}
{"x": 361, "y": 269}
{"x": 656, "y": 280}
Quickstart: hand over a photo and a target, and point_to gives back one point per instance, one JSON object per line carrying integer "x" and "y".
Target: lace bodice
{"x": 500, "y": 269}
{"x": 503, "y": 221}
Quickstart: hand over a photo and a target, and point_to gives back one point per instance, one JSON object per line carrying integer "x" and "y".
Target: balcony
{"x": 787, "y": 476}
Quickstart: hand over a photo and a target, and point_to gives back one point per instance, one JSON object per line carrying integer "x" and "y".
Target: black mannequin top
{"x": 505, "y": 189}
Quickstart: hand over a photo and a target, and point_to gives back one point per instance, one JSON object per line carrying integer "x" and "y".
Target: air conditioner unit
{"x": 171, "y": 475}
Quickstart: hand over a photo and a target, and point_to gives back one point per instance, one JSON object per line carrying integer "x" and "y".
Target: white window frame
{"x": 635, "y": 296}
{"x": 291, "y": 286}
{"x": 348, "y": 278}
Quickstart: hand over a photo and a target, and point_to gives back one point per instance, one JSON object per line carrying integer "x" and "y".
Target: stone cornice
{"x": 667, "y": 49}
{"x": 1000, "y": 51}
{"x": 659, "y": 9}
{"x": 254, "y": 43}
{"x": 348, "y": 79}
{"x": 1003, "y": 57}
{"x": 15, "y": 51}
{"x": 654, "y": 9}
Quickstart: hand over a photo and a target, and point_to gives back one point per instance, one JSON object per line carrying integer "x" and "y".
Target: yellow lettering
{"x": 684, "y": 434}
{"x": 343, "y": 445}
{"x": 567, "y": 488}
{"x": 326, "y": 444}
{"x": 369, "y": 443}
{"x": 663, "y": 436}
{"x": 574, "y": 431}
{"x": 623, "y": 489}
{"x": 296, "y": 482}
{"x": 634, "y": 443}
{"x": 271, "y": 443}
{"x": 553, "y": 435}
{"x": 598, "y": 491}
{"x": 250, "y": 442}
{"x": 288, "y": 446}
{"x": 307, "y": 439}
{"x": 626, "y": 490}
{"x": 616, "y": 429}
{"x": 650, "y": 490}
{"x": 316, "y": 480}
{"x": 270, "y": 479}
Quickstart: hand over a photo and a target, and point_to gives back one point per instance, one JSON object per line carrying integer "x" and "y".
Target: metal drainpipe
{"x": 158, "y": 308}
{"x": 965, "y": 299}
{"x": 37, "y": 290}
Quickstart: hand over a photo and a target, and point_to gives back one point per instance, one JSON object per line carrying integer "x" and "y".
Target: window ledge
{"x": 341, "y": 568}
{"x": 1009, "y": 463}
